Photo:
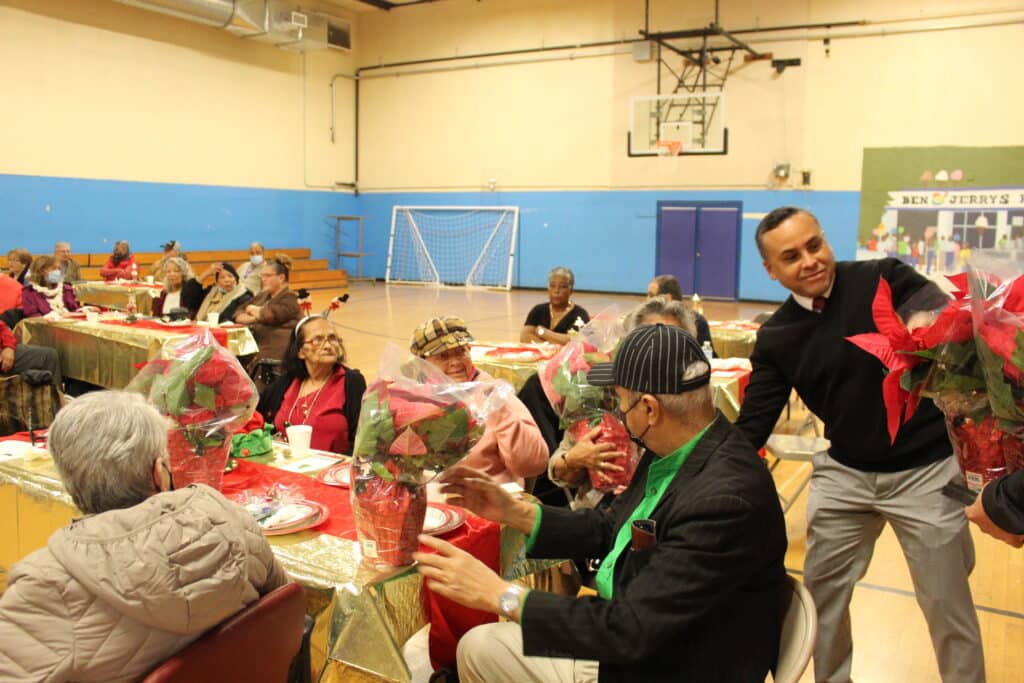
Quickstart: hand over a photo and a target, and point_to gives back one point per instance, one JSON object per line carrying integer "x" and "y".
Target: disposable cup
{"x": 213, "y": 319}
{"x": 299, "y": 437}
{"x": 92, "y": 316}
{"x": 149, "y": 279}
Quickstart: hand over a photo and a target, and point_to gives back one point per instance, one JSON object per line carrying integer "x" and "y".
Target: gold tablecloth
{"x": 733, "y": 339}
{"x": 363, "y": 615}
{"x": 111, "y": 295}
{"x": 106, "y": 355}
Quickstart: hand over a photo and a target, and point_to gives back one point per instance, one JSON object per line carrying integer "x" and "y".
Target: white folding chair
{"x": 799, "y": 629}
{"x": 796, "y": 448}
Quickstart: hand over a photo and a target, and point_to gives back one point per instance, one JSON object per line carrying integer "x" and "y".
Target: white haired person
{"x": 181, "y": 289}
{"x": 554, "y": 321}
{"x": 146, "y": 569}
{"x": 512, "y": 448}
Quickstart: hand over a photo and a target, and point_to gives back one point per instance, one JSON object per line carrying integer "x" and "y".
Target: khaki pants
{"x": 493, "y": 653}
{"x": 846, "y": 511}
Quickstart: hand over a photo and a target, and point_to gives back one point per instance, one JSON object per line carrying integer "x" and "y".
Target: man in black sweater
{"x": 865, "y": 480}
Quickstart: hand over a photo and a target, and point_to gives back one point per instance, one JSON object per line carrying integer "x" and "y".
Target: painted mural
{"x": 931, "y": 206}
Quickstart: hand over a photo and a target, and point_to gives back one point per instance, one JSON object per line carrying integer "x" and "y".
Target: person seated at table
{"x": 145, "y": 572}
{"x": 692, "y": 586}
{"x": 10, "y": 293}
{"x": 121, "y": 265}
{"x": 570, "y": 464}
{"x": 69, "y": 267}
{"x": 668, "y": 286}
{"x": 316, "y": 389}
{"x": 512, "y": 448}
{"x": 17, "y": 358}
{"x": 46, "y": 293}
{"x": 252, "y": 269}
{"x": 172, "y": 249}
{"x": 181, "y": 289}
{"x": 18, "y": 263}
{"x": 224, "y": 296}
{"x": 553, "y": 321}
{"x": 273, "y": 312}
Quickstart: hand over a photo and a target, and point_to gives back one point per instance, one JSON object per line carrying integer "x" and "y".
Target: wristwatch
{"x": 540, "y": 330}
{"x": 510, "y": 600}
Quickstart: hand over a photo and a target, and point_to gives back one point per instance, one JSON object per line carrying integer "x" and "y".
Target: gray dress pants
{"x": 846, "y": 511}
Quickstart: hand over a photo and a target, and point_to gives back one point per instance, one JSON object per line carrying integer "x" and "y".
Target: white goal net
{"x": 471, "y": 246}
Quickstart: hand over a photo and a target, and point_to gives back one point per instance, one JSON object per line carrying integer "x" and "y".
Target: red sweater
{"x": 111, "y": 271}
{"x": 7, "y": 340}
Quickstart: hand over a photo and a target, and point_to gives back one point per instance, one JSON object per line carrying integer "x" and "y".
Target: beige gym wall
{"x": 97, "y": 89}
{"x": 561, "y": 123}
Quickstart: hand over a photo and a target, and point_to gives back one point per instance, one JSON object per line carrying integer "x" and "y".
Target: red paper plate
{"x": 440, "y": 519}
{"x": 313, "y": 515}
{"x": 337, "y": 475}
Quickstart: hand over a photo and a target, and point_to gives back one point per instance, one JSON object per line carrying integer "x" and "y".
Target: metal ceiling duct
{"x": 278, "y": 22}
{"x": 241, "y": 17}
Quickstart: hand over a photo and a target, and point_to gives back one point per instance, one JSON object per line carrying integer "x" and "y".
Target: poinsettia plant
{"x": 413, "y": 424}
{"x": 207, "y": 395}
{"x": 969, "y": 358}
{"x": 581, "y": 406}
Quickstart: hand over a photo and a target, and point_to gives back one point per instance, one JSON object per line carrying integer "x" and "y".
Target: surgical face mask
{"x": 53, "y": 277}
{"x": 638, "y": 439}
{"x": 256, "y": 259}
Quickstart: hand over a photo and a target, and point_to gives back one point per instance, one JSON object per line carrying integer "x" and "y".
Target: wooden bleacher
{"x": 308, "y": 273}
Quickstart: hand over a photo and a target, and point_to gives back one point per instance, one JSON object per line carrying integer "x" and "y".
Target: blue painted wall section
{"x": 93, "y": 214}
{"x": 607, "y": 237}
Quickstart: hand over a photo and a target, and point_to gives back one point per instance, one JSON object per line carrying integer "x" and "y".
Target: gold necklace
{"x": 306, "y": 409}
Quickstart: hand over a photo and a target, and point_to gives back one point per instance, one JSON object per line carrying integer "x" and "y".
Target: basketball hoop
{"x": 670, "y": 148}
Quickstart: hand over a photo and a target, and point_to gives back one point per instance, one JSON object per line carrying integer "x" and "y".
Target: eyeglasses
{"x": 319, "y": 341}
{"x": 458, "y": 353}
{"x": 621, "y": 414}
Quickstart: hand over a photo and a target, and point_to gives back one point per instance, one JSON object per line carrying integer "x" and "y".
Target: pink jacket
{"x": 512, "y": 447}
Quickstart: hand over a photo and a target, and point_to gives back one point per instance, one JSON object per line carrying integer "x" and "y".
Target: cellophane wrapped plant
{"x": 968, "y": 358}
{"x": 414, "y": 423}
{"x": 581, "y": 406}
{"x": 207, "y": 395}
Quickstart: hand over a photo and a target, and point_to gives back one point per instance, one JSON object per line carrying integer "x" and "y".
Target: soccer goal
{"x": 472, "y": 246}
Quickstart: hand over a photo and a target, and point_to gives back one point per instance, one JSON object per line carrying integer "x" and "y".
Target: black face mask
{"x": 639, "y": 438}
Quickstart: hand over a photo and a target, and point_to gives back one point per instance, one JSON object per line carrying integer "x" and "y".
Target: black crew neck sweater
{"x": 839, "y": 382}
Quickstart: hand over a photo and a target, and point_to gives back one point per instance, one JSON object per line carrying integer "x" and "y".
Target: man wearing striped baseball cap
{"x": 693, "y": 549}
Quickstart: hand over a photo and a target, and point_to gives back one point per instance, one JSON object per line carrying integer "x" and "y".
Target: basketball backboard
{"x": 694, "y": 120}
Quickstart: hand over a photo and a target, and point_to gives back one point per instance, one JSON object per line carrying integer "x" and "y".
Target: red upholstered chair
{"x": 256, "y": 644}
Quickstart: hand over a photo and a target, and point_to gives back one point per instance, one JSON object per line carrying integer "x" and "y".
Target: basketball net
{"x": 670, "y": 148}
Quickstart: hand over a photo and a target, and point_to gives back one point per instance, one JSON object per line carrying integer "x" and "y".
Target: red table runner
{"x": 479, "y": 537}
{"x": 219, "y": 334}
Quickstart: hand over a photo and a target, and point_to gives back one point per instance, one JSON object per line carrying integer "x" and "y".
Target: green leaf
{"x": 205, "y": 397}
{"x": 1000, "y": 392}
{"x": 382, "y": 472}
{"x": 1017, "y": 357}
{"x": 376, "y": 425}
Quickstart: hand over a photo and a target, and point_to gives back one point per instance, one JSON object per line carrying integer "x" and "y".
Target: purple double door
{"x": 698, "y": 242}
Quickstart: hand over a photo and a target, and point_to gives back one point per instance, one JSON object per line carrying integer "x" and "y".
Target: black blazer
{"x": 706, "y": 604}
